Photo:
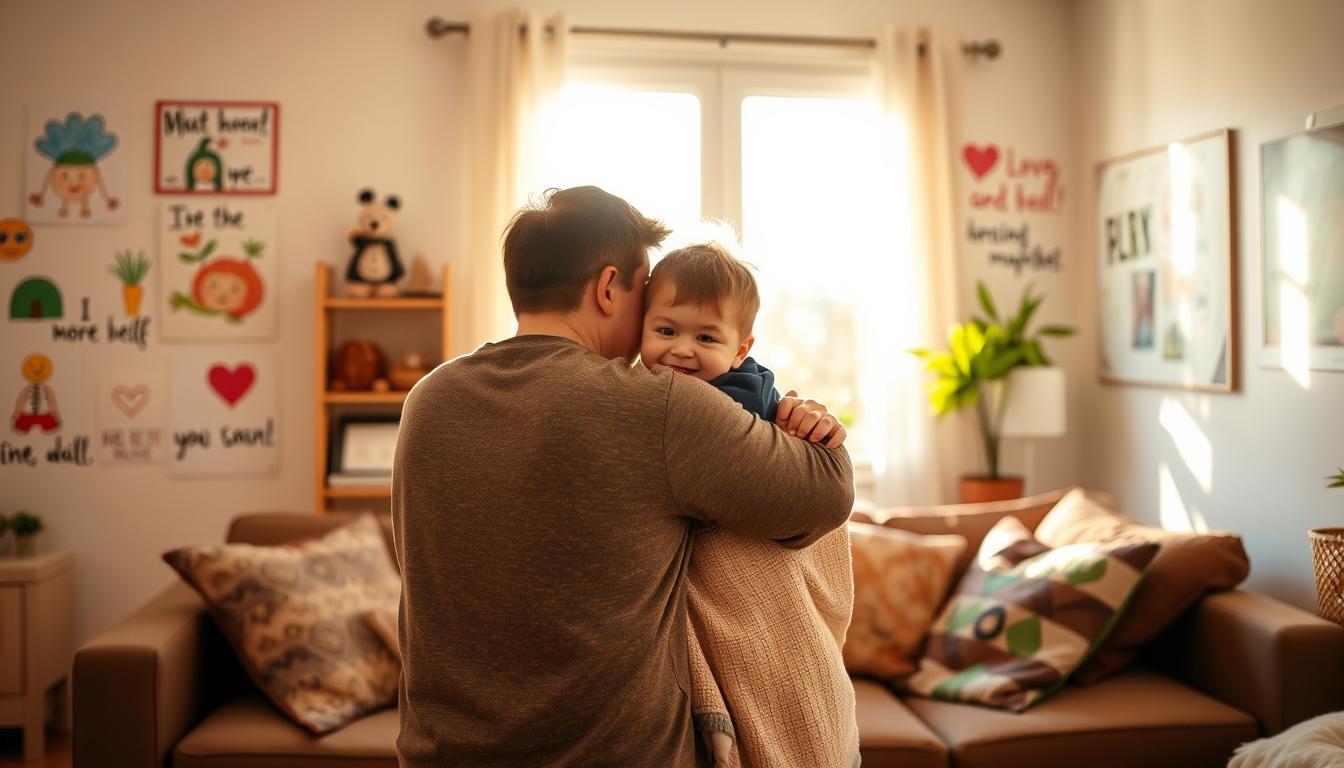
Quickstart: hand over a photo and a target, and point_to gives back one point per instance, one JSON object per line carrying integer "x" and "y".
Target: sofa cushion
{"x": 900, "y": 580}
{"x": 1137, "y": 718}
{"x": 1188, "y": 566}
{"x": 1024, "y": 617}
{"x": 248, "y": 732}
{"x": 890, "y": 736}
{"x": 294, "y": 615}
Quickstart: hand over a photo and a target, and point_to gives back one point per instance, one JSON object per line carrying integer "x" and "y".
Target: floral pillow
{"x": 900, "y": 580}
{"x": 1025, "y": 616}
{"x": 295, "y": 617}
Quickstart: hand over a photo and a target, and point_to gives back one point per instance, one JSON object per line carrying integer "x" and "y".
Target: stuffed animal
{"x": 374, "y": 268}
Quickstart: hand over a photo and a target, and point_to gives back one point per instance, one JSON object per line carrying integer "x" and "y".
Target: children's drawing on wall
{"x": 214, "y": 148}
{"x": 77, "y": 168}
{"x": 131, "y": 406}
{"x": 222, "y": 411}
{"x": 130, "y": 270}
{"x": 1015, "y": 209}
{"x": 36, "y": 298}
{"x": 16, "y": 239}
{"x": 1142, "y": 309}
{"x": 218, "y": 266}
{"x": 35, "y": 407}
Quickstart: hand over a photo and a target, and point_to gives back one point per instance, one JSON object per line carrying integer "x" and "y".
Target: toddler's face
{"x": 691, "y": 339}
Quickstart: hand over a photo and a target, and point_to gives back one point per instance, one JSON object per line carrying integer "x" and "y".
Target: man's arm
{"x": 730, "y": 468}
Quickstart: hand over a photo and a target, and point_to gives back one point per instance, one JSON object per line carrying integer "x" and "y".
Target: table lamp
{"x": 1036, "y": 405}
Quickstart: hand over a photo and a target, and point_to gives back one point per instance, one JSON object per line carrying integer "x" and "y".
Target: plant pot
{"x": 974, "y": 490}
{"x": 25, "y": 546}
{"x": 1327, "y": 559}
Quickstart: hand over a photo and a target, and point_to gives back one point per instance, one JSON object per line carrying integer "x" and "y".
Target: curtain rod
{"x": 990, "y": 49}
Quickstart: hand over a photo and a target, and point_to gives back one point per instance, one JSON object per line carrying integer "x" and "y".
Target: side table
{"x": 36, "y": 643}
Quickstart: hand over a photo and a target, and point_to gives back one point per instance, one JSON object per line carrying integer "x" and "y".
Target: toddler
{"x": 767, "y": 623}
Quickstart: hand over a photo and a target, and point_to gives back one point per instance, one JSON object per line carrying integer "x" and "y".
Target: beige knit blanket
{"x": 767, "y": 625}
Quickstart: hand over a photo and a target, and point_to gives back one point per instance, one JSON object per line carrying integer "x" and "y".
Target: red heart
{"x": 980, "y": 161}
{"x": 232, "y": 385}
{"x": 222, "y": 143}
{"x": 191, "y": 240}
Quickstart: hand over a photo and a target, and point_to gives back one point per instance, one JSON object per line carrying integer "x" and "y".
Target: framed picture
{"x": 362, "y": 448}
{"x": 1166, "y": 265}
{"x": 1302, "y": 237}
{"x": 216, "y": 147}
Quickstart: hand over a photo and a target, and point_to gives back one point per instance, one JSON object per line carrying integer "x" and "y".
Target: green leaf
{"x": 921, "y": 353}
{"x": 986, "y": 302}
{"x": 1033, "y": 354}
{"x": 1058, "y": 330}
{"x": 1003, "y": 363}
{"x": 1337, "y": 480}
{"x": 1019, "y": 323}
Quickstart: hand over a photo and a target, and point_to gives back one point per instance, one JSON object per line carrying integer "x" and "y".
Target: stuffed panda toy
{"x": 374, "y": 268}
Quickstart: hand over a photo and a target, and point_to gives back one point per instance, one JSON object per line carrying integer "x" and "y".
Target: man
{"x": 543, "y": 499}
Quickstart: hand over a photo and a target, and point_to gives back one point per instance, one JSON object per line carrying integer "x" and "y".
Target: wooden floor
{"x": 11, "y": 751}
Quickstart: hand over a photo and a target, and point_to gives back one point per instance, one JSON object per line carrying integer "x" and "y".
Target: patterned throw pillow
{"x": 900, "y": 580}
{"x": 1026, "y": 616}
{"x": 295, "y": 617}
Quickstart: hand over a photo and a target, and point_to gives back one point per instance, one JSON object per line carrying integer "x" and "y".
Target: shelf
{"x": 364, "y": 397}
{"x": 414, "y": 303}
{"x": 373, "y": 492}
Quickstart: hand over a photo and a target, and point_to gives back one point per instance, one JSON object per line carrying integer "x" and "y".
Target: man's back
{"x": 542, "y": 500}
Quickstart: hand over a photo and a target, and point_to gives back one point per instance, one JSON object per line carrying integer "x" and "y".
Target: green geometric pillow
{"x": 1025, "y": 617}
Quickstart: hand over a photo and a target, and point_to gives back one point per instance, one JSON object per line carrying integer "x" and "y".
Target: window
{"x": 783, "y": 153}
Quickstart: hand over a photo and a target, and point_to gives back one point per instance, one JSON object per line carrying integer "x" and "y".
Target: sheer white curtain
{"x": 915, "y": 294}
{"x": 515, "y": 63}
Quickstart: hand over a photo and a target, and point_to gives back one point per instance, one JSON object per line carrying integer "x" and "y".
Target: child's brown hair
{"x": 707, "y": 274}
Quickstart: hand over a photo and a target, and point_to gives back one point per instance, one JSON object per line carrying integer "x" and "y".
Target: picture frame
{"x": 235, "y": 145}
{"x": 1302, "y": 247}
{"x": 1165, "y": 238}
{"x": 363, "y": 447}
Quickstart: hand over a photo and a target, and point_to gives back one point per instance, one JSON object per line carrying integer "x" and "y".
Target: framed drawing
{"x": 362, "y": 449}
{"x": 216, "y": 147}
{"x": 1302, "y": 254}
{"x": 1166, "y": 265}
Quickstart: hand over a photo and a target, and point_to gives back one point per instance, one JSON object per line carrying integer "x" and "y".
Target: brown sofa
{"x": 162, "y": 687}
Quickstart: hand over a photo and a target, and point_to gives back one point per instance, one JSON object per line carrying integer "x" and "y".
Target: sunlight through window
{"x": 643, "y": 146}
{"x": 1294, "y": 309}
{"x": 1191, "y": 443}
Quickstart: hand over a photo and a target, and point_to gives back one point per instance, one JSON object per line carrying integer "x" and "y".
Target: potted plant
{"x": 131, "y": 270}
{"x": 1327, "y": 559}
{"x": 972, "y": 373}
{"x": 26, "y": 527}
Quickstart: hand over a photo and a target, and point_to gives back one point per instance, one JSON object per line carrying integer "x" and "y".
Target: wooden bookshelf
{"x": 327, "y": 307}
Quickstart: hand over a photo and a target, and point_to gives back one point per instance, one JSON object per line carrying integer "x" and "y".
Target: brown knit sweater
{"x": 767, "y": 626}
{"x": 542, "y": 502}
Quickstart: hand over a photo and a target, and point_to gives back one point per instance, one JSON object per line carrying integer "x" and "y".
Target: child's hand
{"x": 721, "y": 749}
{"x": 809, "y": 420}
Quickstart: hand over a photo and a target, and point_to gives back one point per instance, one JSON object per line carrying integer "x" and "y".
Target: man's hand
{"x": 722, "y": 751}
{"x": 809, "y": 420}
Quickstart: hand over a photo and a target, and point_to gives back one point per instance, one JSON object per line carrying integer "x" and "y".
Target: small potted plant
{"x": 972, "y": 372}
{"x": 1327, "y": 559}
{"x": 26, "y": 527}
{"x": 131, "y": 270}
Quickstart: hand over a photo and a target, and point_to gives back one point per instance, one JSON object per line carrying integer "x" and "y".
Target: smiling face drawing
{"x": 229, "y": 286}
{"x": 74, "y": 182}
{"x": 36, "y": 368}
{"x": 203, "y": 171}
{"x": 16, "y": 237}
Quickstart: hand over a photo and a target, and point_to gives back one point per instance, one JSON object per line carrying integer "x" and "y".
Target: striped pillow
{"x": 1024, "y": 617}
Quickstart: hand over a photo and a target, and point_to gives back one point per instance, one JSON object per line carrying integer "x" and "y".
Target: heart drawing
{"x": 980, "y": 160}
{"x": 130, "y": 400}
{"x": 190, "y": 240}
{"x": 231, "y": 385}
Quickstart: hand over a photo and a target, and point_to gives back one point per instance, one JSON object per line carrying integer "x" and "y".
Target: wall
{"x": 1150, "y": 72}
{"x": 368, "y": 99}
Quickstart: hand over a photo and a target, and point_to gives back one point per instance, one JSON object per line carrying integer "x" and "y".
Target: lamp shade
{"x": 1035, "y": 404}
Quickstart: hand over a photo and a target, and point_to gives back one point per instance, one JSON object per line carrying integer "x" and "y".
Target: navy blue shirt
{"x": 752, "y": 385}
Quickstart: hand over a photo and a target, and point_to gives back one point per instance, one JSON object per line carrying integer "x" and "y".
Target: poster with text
{"x": 131, "y": 406}
{"x": 45, "y": 408}
{"x": 76, "y": 166}
{"x": 216, "y": 147}
{"x": 222, "y": 411}
{"x": 218, "y": 278}
{"x": 1166, "y": 266}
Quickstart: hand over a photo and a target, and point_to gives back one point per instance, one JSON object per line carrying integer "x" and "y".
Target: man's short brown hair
{"x": 706, "y": 274}
{"x": 555, "y": 247}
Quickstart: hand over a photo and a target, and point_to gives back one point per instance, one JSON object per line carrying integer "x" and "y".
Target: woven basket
{"x": 1327, "y": 558}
